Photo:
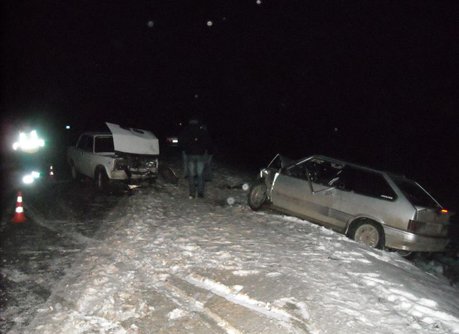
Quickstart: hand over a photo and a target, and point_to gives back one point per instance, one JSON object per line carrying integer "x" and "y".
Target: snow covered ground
{"x": 175, "y": 265}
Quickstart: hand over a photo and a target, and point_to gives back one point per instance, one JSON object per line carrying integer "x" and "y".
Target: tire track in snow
{"x": 286, "y": 319}
{"x": 180, "y": 297}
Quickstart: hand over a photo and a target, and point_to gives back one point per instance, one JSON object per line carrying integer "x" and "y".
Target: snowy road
{"x": 165, "y": 264}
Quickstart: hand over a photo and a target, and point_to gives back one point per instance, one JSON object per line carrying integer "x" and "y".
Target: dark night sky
{"x": 275, "y": 76}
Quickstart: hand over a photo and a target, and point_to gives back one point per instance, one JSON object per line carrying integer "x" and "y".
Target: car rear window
{"x": 367, "y": 183}
{"x": 415, "y": 193}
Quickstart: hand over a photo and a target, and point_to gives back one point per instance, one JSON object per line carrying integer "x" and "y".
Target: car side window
{"x": 298, "y": 171}
{"x": 366, "y": 183}
{"x": 323, "y": 172}
{"x": 85, "y": 143}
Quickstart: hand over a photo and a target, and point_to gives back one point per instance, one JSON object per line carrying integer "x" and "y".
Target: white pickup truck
{"x": 123, "y": 154}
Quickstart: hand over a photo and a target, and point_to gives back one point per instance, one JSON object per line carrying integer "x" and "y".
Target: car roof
{"x": 337, "y": 161}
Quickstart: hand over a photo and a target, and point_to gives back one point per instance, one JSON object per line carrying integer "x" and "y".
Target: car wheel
{"x": 257, "y": 196}
{"x": 406, "y": 254}
{"x": 101, "y": 180}
{"x": 368, "y": 233}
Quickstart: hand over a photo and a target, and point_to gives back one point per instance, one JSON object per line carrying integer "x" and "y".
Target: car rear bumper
{"x": 402, "y": 240}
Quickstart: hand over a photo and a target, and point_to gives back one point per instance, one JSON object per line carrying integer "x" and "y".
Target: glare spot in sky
{"x": 196, "y": 96}
{"x": 150, "y": 24}
{"x": 209, "y": 23}
{"x": 258, "y": 2}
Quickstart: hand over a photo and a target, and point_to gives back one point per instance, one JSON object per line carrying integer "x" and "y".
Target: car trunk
{"x": 435, "y": 222}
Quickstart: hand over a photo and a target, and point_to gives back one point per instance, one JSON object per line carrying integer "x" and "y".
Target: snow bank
{"x": 174, "y": 265}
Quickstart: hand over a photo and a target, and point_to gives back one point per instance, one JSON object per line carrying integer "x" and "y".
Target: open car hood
{"x": 133, "y": 141}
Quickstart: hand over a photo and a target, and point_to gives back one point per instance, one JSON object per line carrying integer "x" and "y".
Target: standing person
{"x": 197, "y": 146}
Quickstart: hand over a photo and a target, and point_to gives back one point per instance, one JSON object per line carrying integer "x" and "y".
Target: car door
{"x": 295, "y": 192}
{"x": 86, "y": 152}
{"x": 362, "y": 192}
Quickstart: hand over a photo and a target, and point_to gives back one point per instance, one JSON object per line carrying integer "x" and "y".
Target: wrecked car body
{"x": 123, "y": 154}
{"x": 373, "y": 207}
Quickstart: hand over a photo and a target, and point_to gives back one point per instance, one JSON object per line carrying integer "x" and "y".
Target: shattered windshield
{"x": 415, "y": 193}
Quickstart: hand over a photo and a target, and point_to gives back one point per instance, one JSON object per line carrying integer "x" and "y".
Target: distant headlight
{"x": 30, "y": 178}
{"x": 172, "y": 140}
{"x": 29, "y": 142}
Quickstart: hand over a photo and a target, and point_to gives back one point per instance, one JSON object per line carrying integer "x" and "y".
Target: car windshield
{"x": 415, "y": 193}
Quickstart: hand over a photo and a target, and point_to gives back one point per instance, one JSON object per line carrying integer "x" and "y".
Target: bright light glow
{"x": 67, "y": 127}
{"x": 444, "y": 211}
{"x": 28, "y": 179}
{"x": 29, "y": 142}
{"x": 175, "y": 140}
{"x": 209, "y": 23}
{"x": 31, "y": 177}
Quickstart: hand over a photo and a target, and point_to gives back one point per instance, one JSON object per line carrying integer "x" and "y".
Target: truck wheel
{"x": 369, "y": 233}
{"x": 101, "y": 179}
{"x": 257, "y": 196}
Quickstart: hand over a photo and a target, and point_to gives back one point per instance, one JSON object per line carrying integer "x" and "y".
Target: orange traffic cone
{"x": 19, "y": 216}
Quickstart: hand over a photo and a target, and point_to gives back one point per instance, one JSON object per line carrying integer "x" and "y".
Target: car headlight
{"x": 29, "y": 142}
{"x": 30, "y": 177}
{"x": 120, "y": 164}
{"x": 151, "y": 164}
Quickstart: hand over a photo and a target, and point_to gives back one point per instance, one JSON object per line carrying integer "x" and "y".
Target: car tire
{"x": 369, "y": 233}
{"x": 101, "y": 180}
{"x": 257, "y": 196}
{"x": 406, "y": 254}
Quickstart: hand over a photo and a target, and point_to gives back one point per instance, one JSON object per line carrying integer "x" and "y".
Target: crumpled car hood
{"x": 134, "y": 141}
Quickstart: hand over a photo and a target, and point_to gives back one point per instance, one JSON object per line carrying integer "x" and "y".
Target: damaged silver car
{"x": 373, "y": 207}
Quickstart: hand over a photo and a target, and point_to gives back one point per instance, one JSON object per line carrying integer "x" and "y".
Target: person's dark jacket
{"x": 195, "y": 140}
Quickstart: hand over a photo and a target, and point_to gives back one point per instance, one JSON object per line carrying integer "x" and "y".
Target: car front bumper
{"x": 121, "y": 175}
